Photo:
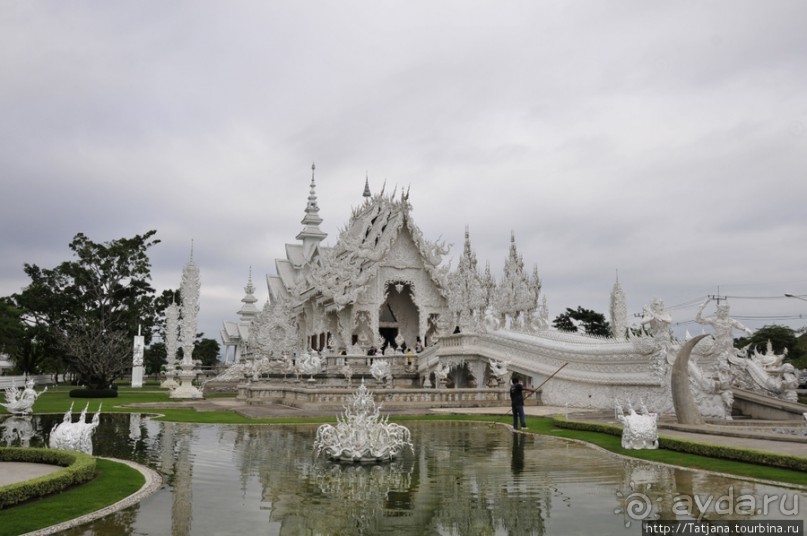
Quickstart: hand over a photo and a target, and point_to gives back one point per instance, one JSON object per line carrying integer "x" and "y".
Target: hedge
{"x": 78, "y": 469}
{"x": 94, "y": 393}
{"x": 758, "y": 457}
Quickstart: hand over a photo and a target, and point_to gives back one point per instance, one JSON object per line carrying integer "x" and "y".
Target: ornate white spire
{"x": 311, "y": 235}
{"x": 248, "y": 310}
{"x": 466, "y": 291}
{"x": 366, "y": 194}
{"x": 619, "y": 310}
{"x": 513, "y": 293}
{"x": 189, "y": 309}
{"x": 171, "y": 333}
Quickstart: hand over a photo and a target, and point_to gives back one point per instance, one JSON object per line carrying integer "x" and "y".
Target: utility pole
{"x": 716, "y": 297}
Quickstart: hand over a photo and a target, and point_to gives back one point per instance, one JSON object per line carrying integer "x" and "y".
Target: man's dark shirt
{"x": 517, "y": 394}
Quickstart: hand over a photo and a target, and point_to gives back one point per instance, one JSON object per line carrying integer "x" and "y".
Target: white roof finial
{"x": 366, "y": 192}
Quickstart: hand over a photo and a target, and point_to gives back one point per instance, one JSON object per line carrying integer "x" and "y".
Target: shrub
{"x": 78, "y": 468}
{"x": 94, "y": 393}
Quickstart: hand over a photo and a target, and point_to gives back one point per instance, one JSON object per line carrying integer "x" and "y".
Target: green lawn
{"x": 57, "y": 399}
{"x": 114, "y": 481}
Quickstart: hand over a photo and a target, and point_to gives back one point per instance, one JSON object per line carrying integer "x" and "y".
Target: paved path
{"x": 13, "y": 472}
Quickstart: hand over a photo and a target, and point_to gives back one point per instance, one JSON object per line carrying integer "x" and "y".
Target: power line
{"x": 756, "y": 297}
{"x": 790, "y": 317}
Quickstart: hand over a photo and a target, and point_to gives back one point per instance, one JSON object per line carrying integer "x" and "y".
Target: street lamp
{"x": 796, "y": 296}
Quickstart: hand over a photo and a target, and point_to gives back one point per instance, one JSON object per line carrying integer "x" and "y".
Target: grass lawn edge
{"x": 118, "y": 485}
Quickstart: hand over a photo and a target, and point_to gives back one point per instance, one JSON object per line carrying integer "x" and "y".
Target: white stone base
{"x": 137, "y": 376}
{"x": 186, "y": 389}
{"x": 169, "y": 382}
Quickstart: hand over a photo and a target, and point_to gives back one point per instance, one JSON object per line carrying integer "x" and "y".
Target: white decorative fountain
{"x": 69, "y": 435}
{"x": 639, "y": 430}
{"x": 361, "y": 434}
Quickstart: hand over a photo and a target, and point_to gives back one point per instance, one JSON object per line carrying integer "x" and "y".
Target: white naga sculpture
{"x": 640, "y": 431}
{"x": 21, "y": 402}
{"x": 68, "y": 435}
{"x": 763, "y": 373}
{"x": 382, "y": 371}
{"x": 361, "y": 434}
{"x": 498, "y": 369}
{"x": 776, "y": 381}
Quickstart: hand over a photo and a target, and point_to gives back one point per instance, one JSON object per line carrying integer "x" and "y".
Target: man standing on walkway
{"x": 517, "y": 402}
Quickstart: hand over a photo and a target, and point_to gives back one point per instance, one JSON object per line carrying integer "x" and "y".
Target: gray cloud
{"x": 665, "y": 141}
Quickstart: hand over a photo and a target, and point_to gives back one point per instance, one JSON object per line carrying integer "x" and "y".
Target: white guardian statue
{"x": 21, "y": 402}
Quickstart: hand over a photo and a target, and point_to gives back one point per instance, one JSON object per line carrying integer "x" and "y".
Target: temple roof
{"x": 294, "y": 254}
{"x": 234, "y": 332}
{"x": 339, "y": 274}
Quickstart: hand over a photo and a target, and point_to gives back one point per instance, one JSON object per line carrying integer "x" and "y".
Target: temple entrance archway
{"x": 388, "y": 334}
{"x": 398, "y": 315}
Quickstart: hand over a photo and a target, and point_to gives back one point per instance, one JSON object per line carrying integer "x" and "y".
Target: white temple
{"x": 453, "y": 338}
{"x": 381, "y": 282}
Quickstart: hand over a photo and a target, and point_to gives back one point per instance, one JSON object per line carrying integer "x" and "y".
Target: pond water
{"x": 462, "y": 479}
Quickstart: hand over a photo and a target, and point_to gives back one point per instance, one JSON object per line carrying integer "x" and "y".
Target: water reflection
{"x": 461, "y": 479}
{"x": 18, "y": 430}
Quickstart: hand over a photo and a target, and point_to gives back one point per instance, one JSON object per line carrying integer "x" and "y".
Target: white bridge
{"x": 597, "y": 370}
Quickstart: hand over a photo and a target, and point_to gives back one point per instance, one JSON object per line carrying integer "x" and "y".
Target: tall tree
{"x": 12, "y": 329}
{"x": 154, "y": 357}
{"x": 206, "y": 351}
{"x": 92, "y": 305}
{"x": 782, "y": 338}
{"x": 592, "y": 322}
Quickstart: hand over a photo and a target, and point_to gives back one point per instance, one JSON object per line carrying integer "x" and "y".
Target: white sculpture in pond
{"x": 68, "y": 435}
{"x": 18, "y": 428}
{"x": 639, "y": 431}
{"x": 361, "y": 434}
{"x": 21, "y": 402}
{"x": 382, "y": 371}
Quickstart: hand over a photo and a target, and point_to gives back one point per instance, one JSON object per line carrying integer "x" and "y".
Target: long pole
{"x": 546, "y": 380}
{"x": 542, "y": 384}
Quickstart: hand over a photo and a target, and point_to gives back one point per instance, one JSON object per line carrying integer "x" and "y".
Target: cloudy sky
{"x": 665, "y": 140}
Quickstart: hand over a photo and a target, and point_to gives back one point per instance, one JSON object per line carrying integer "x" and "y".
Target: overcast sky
{"x": 665, "y": 140}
